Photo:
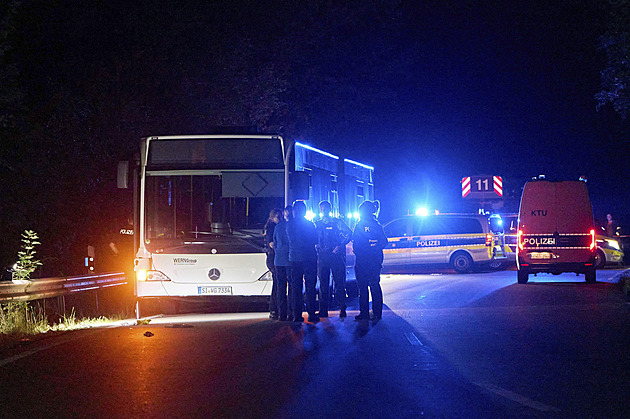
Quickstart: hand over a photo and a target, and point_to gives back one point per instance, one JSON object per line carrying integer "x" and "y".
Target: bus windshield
{"x": 215, "y": 153}
{"x": 203, "y": 214}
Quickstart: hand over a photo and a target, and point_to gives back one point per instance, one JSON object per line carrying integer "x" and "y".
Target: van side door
{"x": 398, "y": 234}
{"x": 428, "y": 246}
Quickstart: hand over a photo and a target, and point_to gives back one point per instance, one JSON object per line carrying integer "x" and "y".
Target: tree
{"x": 615, "y": 78}
{"x": 27, "y": 263}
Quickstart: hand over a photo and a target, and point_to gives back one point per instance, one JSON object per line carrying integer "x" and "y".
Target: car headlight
{"x": 613, "y": 244}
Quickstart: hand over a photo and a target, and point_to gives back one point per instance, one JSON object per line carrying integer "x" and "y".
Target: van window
{"x": 433, "y": 226}
{"x": 428, "y": 226}
{"x": 463, "y": 226}
{"x": 397, "y": 228}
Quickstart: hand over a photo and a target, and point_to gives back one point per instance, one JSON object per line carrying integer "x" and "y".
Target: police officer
{"x": 274, "y": 218}
{"x": 281, "y": 261}
{"x": 369, "y": 240}
{"x": 332, "y": 237}
{"x": 303, "y": 262}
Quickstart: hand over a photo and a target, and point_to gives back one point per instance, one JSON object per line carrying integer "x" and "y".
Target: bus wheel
{"x": 590, "y": 276}
{"x": 600, "y": 259}
{"x": 522, "y": 276}
{"x": 462, "y": 262}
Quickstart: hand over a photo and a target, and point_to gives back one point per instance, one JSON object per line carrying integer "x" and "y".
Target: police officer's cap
{"x": 367, "y": 209}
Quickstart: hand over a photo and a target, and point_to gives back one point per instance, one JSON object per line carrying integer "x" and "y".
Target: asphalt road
{"x": 448, "y": 345}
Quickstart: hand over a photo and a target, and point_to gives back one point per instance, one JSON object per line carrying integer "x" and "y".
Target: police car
{"x": 459, "y": 240}
{"x": 608, "y": 251}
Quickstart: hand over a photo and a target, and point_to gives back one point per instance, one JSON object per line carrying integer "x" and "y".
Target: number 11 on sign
{"x": 483, "y": 182}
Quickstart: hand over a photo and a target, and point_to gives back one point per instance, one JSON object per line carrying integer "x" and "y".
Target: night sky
{"x": 426, "y": 92}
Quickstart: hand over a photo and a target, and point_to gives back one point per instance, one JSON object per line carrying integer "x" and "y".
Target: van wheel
{"x": 462, "y": 262}
{"x": 522, "y": 276}
{"x": 600, "y": 259}
{"x": 590, "y": 276}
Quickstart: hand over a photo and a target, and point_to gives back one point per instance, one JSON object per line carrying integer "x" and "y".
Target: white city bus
{"x": 202, "y": 202}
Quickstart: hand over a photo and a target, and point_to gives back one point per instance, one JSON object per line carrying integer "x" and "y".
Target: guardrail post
{"x": 61, "y": 301}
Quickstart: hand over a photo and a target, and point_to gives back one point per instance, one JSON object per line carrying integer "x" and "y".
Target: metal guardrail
{"x": 37, "y": 289}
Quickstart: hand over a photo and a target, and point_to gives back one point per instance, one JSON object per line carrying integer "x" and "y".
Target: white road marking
{"x": 510, "y": 395}
{"x": 413, "y": 339}
{"x": 59, "y": 341}
{"x": 518, "y": 398}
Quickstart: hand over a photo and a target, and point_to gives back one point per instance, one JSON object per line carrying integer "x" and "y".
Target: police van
{"x": 459, "y": 240}
{"x": 556, "y": 232}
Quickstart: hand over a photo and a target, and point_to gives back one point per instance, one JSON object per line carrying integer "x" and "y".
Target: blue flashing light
{"x": 308, "y": 147}
{"x": 422, "y": 212}
{"x": 358, "y": 164}
{"x": 356, "y": 215}
{"x": 349, "y": 215}
{"x": 309, "y": 215}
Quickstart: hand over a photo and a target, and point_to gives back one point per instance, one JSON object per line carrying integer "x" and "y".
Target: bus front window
{"x": 184, "y": 210}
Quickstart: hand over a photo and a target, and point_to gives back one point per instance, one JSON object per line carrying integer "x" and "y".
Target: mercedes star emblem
{"x": 214, "y": 274}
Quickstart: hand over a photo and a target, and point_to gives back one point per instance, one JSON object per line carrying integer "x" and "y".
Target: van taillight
{"x": 488, "y": 239}
{"x": 592, "y": 246}
{"x": 519, "y": 236}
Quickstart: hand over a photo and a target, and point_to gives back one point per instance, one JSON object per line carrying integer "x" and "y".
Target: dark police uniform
{"x": 369, "y": 240}
{"x": 303, "y": 260}
{"x": 281, "y": 261}
{"x": 268, "y": 233}
{"x": 332, "y": 237}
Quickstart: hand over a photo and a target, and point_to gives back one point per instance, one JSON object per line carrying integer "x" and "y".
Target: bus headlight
{"x": 143, "y": 275}
{"x": 267, "y": 276}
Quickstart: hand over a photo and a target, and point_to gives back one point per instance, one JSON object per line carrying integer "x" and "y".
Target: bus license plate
{"x": 215, "y": 290}
{"x": 540, "y": 255}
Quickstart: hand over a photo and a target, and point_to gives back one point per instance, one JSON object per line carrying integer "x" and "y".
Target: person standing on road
{"x": 303, "y": 261}
{"x": 611, "y": 226}
{"x": 274, "y": 218}
{"x": 281, "y": 261}
{"x": 332, "y": 237}
{"x": 369, "y": 240}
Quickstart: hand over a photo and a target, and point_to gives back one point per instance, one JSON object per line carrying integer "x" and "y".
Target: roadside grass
{"x": 20, "y": 322}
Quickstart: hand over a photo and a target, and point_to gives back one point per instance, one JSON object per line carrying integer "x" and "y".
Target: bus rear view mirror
{"x": 123, "y": 175}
